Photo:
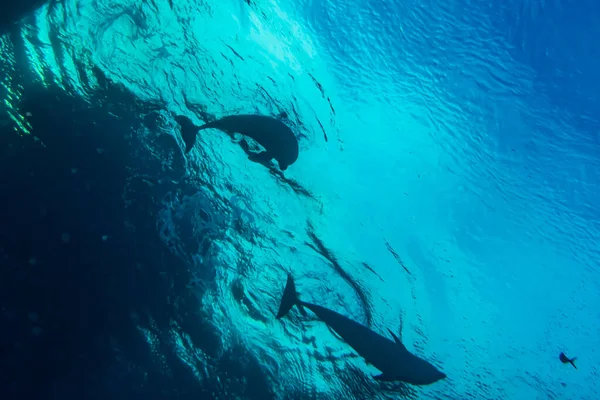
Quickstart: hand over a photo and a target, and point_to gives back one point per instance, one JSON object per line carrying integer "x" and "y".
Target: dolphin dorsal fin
{"x": 398, "y": 342}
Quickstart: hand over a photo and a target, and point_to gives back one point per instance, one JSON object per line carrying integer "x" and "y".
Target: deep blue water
{"x": 446, "y": 189}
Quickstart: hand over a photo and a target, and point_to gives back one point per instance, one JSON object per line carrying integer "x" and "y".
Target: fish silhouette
{"x": 564, "y": 359}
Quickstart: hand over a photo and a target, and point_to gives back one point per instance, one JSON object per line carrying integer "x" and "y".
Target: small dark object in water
{"x": 564, "y": 359}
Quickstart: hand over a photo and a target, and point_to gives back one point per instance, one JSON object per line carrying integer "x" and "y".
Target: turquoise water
{"x": 464, "y": 136}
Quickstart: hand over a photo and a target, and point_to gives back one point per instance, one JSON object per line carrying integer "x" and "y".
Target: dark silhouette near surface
{"x": 276, "y": 137}
{"x": 391, "y": 357}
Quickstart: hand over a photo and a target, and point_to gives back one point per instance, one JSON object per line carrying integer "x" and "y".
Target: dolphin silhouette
{"x": 394, "y": 360}
{"x": 276, "y": 137}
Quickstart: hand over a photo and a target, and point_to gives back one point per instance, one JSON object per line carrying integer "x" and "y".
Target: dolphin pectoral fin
{"x": 261, "y": 158}
{"x": 398, "y": 342}
{"x": 382, "y": 377}
{"x": 394, "y": 336}
{"x": 341, "y": 339}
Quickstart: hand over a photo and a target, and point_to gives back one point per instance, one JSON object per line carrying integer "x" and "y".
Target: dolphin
{"x": 390, "y": 357}
{"x": 276, "y": 137}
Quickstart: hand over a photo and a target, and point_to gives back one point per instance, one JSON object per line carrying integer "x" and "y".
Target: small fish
{"x": 564, "y": 359}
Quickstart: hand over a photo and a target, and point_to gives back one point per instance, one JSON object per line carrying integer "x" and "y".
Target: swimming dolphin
{"x": 564, "y": 359}
{"x": 276, "y": 137}
{"x": 394, "y": 361}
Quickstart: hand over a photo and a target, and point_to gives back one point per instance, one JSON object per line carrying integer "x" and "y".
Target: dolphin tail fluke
{"x": 572, "y": 361}
{"x": 289, "y": 299}
{"x": 188, "y": 131}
